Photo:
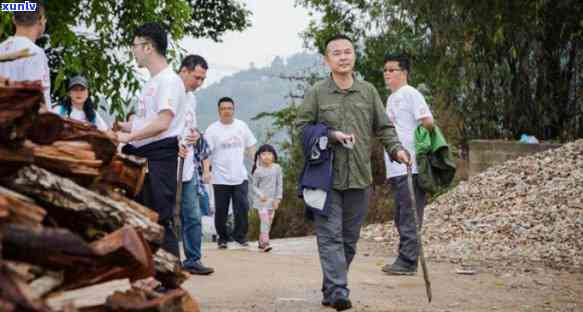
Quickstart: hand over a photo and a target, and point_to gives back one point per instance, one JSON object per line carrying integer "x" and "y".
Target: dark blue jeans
{"x": 190, "y": 216}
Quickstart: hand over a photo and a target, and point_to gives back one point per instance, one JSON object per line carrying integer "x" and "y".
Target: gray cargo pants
{"x": 337, "y": 235}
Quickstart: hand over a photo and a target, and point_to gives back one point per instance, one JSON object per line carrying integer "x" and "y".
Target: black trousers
{"x": 223, "y": 195}
{"x": 159, "y": 190}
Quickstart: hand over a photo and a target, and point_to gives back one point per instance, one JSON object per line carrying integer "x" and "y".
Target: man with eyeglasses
{"x": 30, "y": 25}
{"x": 407, "y": 109}
{"x": 154, "y": 131}
{"x": 354, "y": 113}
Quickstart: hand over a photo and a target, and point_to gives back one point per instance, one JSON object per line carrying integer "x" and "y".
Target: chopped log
{"x": 17, "y": 293}
{"x": 25, "y": 271}
{"x": 92, "y": 296}
{"x": 149, "y": 213}
{"x": 81, "y": 210}
{"x": 14, "y": 158}
{"x": 122, "y": 254}
{"x": 127, "y": 172}
{"x": 59, "y": 247}
{"x": 46, "y": 128}
{"x": 21, "y": 209}
{"x": 168, "y": 270}
{"x": 19, "y": 105}
{"x": 47, "y": 283}
{"x": 135, "y": 300}
{"x": 103, "y": 145}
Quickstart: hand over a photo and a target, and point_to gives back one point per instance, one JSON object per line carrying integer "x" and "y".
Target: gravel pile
{"x": 521, "y": 212}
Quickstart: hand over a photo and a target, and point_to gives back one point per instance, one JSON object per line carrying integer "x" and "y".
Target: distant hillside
{"x": 256, "y": 90}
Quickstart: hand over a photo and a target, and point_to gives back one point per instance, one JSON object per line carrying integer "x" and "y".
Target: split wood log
{"x": 17, "y": 293}
{"x": 46, "y": 128}
{"x": 103, "y": 145}
{"x": 51, "y": 248}
{"x": 19, "y": 105}
{"x": 81, "y": 210}
{"x": 87, "y": 297}
{"x": 14, "y": 158}
{"x": 134, "y": 300}
{"x": 127, "y": 172}
{"x": 147, "y": 212}
{"x": 46, "y": 283}
{"x": 21, "y": 209}
{"x": 168, "y": 270}
{"x": 122, "y": 254}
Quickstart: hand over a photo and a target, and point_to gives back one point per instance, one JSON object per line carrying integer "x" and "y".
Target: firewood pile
{"x": 69, "y": 233}
{"x": 523, "y": 212}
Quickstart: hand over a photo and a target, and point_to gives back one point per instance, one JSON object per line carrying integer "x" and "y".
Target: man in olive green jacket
{"x": 353, "y": 110}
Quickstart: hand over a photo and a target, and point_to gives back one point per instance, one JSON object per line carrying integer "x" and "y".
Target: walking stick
{"x": 418, "y": 232}
{"x": 176, "y": 218}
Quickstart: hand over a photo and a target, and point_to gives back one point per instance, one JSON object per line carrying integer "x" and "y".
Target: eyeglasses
{"x": 392, "y": 70}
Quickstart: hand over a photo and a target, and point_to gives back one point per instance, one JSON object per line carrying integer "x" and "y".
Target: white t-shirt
{"x": 227, "y": 144}
{"x": 405, "y": 107}
{"x": 189, "y": 123}
{"x": 79, "y": 114}
{"x": 35, "y": 67}
{"x": 165, "y": 91}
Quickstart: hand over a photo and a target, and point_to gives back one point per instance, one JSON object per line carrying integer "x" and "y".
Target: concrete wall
{"x": 485, "y": 153}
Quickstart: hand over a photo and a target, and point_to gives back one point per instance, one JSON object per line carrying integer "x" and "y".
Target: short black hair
{"x": 191, "y": 61}
{"x": 334, "y": 38}
{"x": 225, "y": 99}
{"x": 401, "y": 58}
{"x": 29, "y": 18}
{"x": 155, "y": 34}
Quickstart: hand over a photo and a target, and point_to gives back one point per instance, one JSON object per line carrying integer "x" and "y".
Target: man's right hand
{"x": 182, "y": 151}
{"x": 343, "y": 138}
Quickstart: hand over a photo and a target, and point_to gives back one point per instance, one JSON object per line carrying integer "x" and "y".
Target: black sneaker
{"x": 339, "y": 300}
{"x": 198, "y": 268}
{"x": 399, "y": 268}
{"x": 222, "y": 245}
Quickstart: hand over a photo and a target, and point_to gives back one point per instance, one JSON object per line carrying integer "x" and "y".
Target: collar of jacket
{"x": 357, "y": 85}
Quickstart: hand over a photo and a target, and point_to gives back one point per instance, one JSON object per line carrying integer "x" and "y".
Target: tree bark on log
{"x": 168, "y": 272}
{"x": 81, "y": 210}
{"x": 133, "y": 300}
{"x": 20, "y": 209}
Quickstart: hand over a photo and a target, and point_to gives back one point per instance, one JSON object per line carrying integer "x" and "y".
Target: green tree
{"x": 93, "y": 37}
{"x": 494, "y": 69}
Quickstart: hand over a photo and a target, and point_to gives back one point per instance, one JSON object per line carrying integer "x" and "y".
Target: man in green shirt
{"x": 353, "y": 110}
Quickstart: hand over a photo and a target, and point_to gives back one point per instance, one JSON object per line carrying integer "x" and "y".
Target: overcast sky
{"x": 276, "y": 25}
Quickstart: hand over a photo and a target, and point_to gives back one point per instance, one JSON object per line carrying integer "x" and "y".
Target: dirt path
{"x": 289, "y": 279}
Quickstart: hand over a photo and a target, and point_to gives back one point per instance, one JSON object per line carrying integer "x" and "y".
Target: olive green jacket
{"x": 357, "y": 110}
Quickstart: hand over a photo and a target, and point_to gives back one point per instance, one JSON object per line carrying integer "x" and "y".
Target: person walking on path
{"x": 353, "y": 111}
{"x": 193, "y": 72}
{"x": 266, "y": 190}
{"x": 407, "y": 109}
{"x": 230, "y": 139}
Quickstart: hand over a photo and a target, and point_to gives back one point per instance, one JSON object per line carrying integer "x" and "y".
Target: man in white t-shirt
{"x": 29, "y": 27}
{"x": 193, "y": 73}
{"x": 154, "y": 132}
{"x": 407, "y": 109}
{"x": 230, "y": 139}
